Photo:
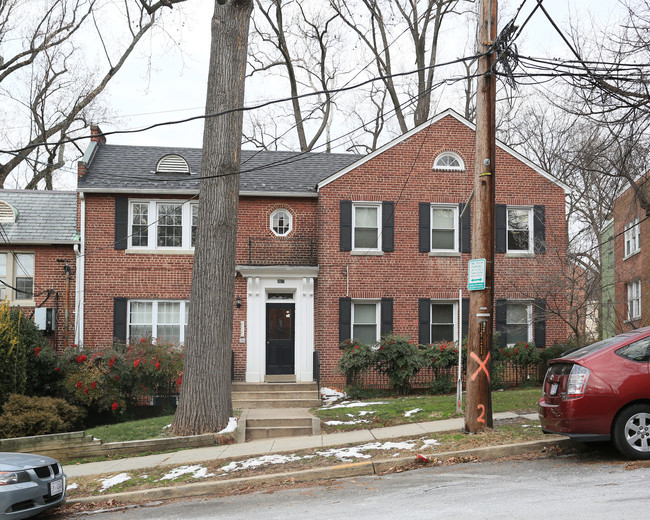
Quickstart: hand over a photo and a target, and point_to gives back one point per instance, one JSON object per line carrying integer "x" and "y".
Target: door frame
{"x": 282, "y": 304}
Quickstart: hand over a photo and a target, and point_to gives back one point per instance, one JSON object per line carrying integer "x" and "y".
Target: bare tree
{"x": 205, "y": 403}
{"x": 43, "y": 79}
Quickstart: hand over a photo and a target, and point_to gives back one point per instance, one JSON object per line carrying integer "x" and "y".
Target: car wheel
{"x": 631, "y": 432}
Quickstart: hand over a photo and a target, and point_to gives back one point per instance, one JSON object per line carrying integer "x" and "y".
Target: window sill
{"x": 361, "y": 252}
{"x": 455, "y": 254}
{"x": 142, "y": 251}
{"x": 22, "y": 303}
{"x": 630, "y": 320}
{"x": 632, "y": 254}
{"x": 526, "y": 254}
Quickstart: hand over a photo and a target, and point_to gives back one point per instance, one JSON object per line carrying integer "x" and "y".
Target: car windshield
{"x": 583, "y": 351}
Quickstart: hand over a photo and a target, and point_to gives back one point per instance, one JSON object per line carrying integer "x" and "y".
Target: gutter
{"x": 168, "y": 191}
{"x": 80, "y": 249}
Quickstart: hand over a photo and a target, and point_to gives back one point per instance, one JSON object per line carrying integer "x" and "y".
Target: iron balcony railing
{"x": 282, "y": 251}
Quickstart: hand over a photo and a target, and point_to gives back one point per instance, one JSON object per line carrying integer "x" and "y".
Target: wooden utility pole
{"x": 478, "y": 411}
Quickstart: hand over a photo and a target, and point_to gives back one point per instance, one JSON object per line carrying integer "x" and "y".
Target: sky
{"x": 162, "y": 82}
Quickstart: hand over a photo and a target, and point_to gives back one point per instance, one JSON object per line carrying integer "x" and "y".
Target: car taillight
{"x": 577, "y": 383}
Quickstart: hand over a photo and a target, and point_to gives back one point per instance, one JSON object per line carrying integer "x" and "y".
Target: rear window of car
{"x": 637, "y": 351}
{"x": 584, "y": 351}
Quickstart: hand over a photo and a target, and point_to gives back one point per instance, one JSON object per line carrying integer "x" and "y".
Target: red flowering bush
{"x": 114, "y": 378}
{"x": 400, "y": 359}
{"x": 357, "y": 359}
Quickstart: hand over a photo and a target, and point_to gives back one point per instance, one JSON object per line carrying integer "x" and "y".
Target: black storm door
{"x": 280, "y": 334}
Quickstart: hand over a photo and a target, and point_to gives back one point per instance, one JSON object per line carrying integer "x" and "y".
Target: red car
{"x": 602, "y": 392}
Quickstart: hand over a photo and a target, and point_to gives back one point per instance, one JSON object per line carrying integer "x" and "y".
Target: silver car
{"x": 29, "y": 484}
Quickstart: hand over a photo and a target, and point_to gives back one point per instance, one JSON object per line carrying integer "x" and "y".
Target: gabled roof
{"x": 43, "y": 217}
{"x": 130, "y": 169}
{"x": 433, "y": 120}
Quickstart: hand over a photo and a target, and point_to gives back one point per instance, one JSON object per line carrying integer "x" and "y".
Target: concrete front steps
{"x": 275, "y": 395}
{"x": 268, "y": 423}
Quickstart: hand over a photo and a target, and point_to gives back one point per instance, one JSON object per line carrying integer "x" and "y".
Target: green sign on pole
{"x": 476, "y": 274}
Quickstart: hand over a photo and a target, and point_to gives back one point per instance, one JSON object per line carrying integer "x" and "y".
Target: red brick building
{"x": 330, "y": 246}
{"x": 628, "y": 265}
{"x": 37, "y": 258}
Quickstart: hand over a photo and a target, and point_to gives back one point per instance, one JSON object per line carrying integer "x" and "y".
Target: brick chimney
{"x": 95, "y": 134}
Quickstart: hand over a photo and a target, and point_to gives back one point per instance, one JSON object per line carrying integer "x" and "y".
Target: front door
{"x": 280, "y": 338}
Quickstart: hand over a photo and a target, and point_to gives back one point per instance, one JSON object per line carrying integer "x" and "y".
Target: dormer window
{"x": 172, "y": 163}
{"x": 7, "y": 212}
{"x": 448, "y": 161}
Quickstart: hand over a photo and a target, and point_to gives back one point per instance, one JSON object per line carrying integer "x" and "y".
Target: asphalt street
{"x": 590, "y": 486}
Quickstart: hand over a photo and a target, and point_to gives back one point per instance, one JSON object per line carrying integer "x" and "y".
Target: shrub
{"x": 26, "y": 356}
{"x": 357, "y": 359}
{"x": 114, "y": 378}
{"x": 25, "y": 416}
{"x": 399, "y": 359}
{"x": 552, "y": 352}
{"x": 442, "y": 385}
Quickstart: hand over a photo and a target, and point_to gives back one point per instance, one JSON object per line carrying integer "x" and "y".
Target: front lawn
{"x": 152, "y": 428}
{"x": 380, "y": 412}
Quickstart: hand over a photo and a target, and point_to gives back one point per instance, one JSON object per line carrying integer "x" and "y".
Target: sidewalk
{"x": 269, "y": 446}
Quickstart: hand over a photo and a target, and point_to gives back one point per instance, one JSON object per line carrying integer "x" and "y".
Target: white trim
{"x": 289, "y": 223}
{"x": 261, "y": 281}
{"x": 529, "y": 318}
{"x": 182, "y": 317}
{"x": 368, "y": 301}
{"x": 455, "y": 315}
{"x": 80, "y": 275}
{"x": 454, "y": 208}
{"x": 185, "y": 191}
{"x": 447, "y": 113}
{"x": 531, "y": 231}
{"x": 378, "y": 206}
{"x": 632, "y": 235}
{"x": 633, "y": 295}
{"x": 153, "y": 222}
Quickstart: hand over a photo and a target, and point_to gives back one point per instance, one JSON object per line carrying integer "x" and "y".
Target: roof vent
{"x": 172, "y": 163}
{"x": 7, "y": 212}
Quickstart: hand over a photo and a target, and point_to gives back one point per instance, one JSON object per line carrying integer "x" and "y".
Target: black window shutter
{"x": 500, "y": 228}
{"x": 500, "y": 318}
{"x": 465, "y": 229}
{"x": 386, "y": 316}
{"x": 388, "y": 226}
{"x": 119, "y": 319}
{"x": 425, "y": 227}
{"x": 346, "y": 225}
{"x": 121, "y": 222}
{"x": 465, "y": 325}
{"x": 539, "y": 229}
{"x": 424, "y": 316}
{"x": 540, "y": 322}
{"x": 345, "y": 319}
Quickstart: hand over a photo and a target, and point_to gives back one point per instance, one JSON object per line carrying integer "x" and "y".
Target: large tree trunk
{"x": 205, "y": 401}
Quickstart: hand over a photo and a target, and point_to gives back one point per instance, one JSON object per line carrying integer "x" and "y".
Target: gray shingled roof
{"x": 132, "y": 168}
{"x": 44, "y": 217}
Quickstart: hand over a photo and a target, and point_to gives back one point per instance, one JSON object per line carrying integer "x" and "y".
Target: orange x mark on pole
{"x": 482, "y": 365}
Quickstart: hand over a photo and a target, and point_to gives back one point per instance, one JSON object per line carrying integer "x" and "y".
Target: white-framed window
{"x": 448, "y": 161}
{"x": 634, "y": 300}
{"x": 281, "y": 222}
{"x": 17, "y": 271}
{"x": 366, "y": 221}
{"x": 162, "y": 224}
{"x": 444, "y": 228}
{"x": 519, "y": 222}
{"x": 159, "y": 320}
{"x": 444, "y": 321}
{"x": 632, "y": 237}
{"x": 519, "y": 322}
{"x": 365, "y": 321}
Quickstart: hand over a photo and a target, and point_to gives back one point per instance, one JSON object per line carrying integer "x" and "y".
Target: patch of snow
{"x": 196, "y": 471}
{"x": 430, "y": 442}
{"x": 167, "y": 427}
{"x": 72, "y": 486}
{"x": 531, "y": 425}
{"x": 232, "y": 426}
{"x": 338, "y": 423}
{"x": 108, "y": 483}
{"x": 366, "y": 412}
{"x": 356, "y": 452}
{"x": 411, "y": 412}
{"x": 329, "y": 395}
{"x": 354, "y": 404}
{"x": 260, "y": 461}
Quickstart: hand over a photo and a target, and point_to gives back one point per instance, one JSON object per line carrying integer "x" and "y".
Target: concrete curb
{"x": 367, "y": 468}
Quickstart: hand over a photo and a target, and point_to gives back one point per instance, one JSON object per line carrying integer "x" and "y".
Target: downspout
{"x": 80, "y": 250}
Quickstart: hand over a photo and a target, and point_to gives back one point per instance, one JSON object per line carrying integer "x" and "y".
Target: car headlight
{"x": 13, "y": 477}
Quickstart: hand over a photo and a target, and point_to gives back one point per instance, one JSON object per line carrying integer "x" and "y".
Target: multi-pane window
{"x": 634, "y": 300}
{"x": 365, "y": 322}
{"x": 281, "y": 222}
{"x": 366, "y": 220}
{"x": 162, "y": 224}
{"x": 632, "y": 237}
{"x": 163, "y": 321}
{"x": 448, "y": 161}
{"x": 444, "y": 319}
{"x": 17, "y": 271}
{"x": 520, "y": 229}
{"x": 444, "y": 228}
{"x": 518, "y": 327}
